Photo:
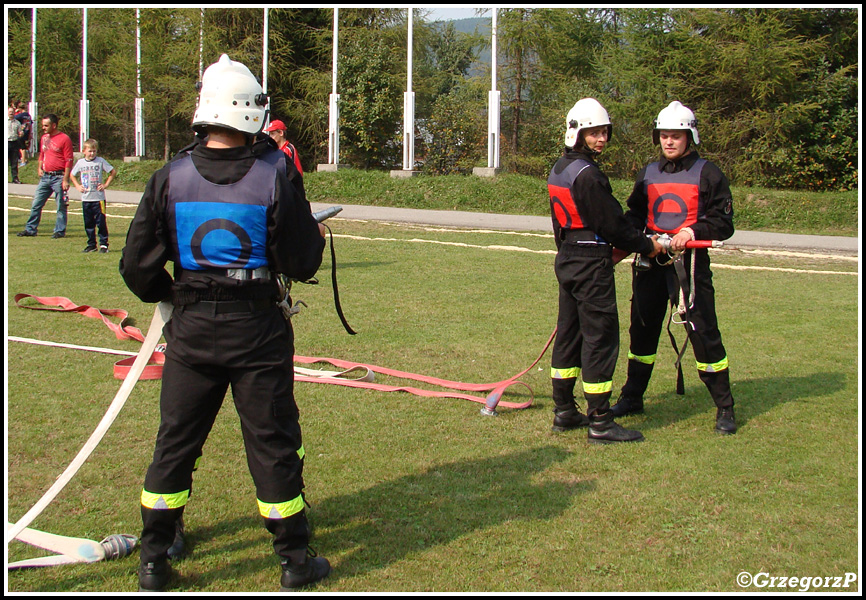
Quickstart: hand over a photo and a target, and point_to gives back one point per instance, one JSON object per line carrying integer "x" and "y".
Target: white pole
{"x": 334, "y": 54}
{"x": 493, "y": 125}
{"x": 138, "y": 52}
{"x": 84, "y": 54}
{"x": 409, "y": 109}
{"x": 201, "y": 45}
{"x": 334, "y": 104}
{"x": 139, "y": 101}
{"x": 84, "y": 106}
{"x": 409, "y": 55}
{"x": 33, "y": 109}
{"x": 493, "y": 34}
{"x": 265, "y": 55}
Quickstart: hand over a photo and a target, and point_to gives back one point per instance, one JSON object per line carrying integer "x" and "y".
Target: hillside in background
{"x": 481, "y": 26}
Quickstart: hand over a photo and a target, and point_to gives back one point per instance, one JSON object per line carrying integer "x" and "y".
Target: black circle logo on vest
{"x": 669, "y": 212}
{"x": 225, "y": 236}
{"x": 563, "y": 216}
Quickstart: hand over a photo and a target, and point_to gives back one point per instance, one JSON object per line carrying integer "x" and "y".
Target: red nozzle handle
{"x": 704, "y": 244}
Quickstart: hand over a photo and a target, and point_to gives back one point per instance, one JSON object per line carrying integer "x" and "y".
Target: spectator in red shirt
{"x": 53, "y": 168}
{"x": 277, "y": 131}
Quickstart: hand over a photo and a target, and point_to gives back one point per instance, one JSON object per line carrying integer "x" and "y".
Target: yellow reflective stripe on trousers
{"x": 301, "y": 453}
{"x": 647, "y": 360}
{"x": 713, "y": 367}
{"x": 570, "y": 373}
{"x": 597, "y": 388}
{"x": 164, "y": 501}
{"x": 281, "y": 510}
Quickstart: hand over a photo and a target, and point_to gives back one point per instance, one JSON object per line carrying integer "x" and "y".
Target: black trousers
{"x": 14, "y": 149}
{"x": 654, "y": 290}
{"x": 94, "y": 220}
{"x": 206, "y": 353}
{"x": 587, "y": 334}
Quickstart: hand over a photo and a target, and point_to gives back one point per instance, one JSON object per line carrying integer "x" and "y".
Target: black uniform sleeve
{"x": 604, "y": 215}
{"x": 557, "y": 229}
{"x": 295, "y": 178}
{"x": 638, "y": 203}
{"x": 143, "y": 259}
{"x": 718, "y": 220}
{"x": 294, "y": 243}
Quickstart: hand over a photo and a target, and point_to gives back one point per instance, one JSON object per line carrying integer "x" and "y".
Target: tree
{"x": 455, "y": 131}
{"x": 571, "y": 38}
{"x": 111, "y": 79}
{"x": 775, "y": 90}
{"x": 518, "y": 35}
{"x": 299, "y": 77}
{"x": 444, "y": 57}
{"x": 371, "y": 96}
{"x": 58, "y": 72}
{"x": 779, "y": 112}
{"x": 170, "y": 43}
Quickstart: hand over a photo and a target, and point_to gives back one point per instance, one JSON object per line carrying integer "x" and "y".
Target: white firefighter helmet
{"x": 676, "y": 116}
{"x": 586, "y": 113}
{"x": 231, "y": 97}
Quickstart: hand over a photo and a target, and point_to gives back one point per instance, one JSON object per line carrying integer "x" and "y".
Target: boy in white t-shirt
{"x": 92, "y": 187}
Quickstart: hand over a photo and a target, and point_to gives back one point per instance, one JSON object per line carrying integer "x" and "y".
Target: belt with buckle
{"x": 244, "y": 274}
{"x": 582, "y": 236}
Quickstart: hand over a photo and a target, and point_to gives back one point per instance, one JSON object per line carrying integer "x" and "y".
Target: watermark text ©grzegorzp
{"x": 803, "y": 584}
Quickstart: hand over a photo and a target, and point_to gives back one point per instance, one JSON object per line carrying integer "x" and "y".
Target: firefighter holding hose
{"x": 688, "y": 198}
{"x": 588, "y": 222}
{"x": 229, "y": 222}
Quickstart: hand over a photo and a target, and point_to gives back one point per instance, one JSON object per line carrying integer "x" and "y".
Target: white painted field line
{"x": 76, "y": 212}
{"x": 529, "y": 250}
{"x": 441, "y": 243}
{"x": 13, "y": 338}
{"x": 782, "y": 269}
{"x": 790, "y": 254}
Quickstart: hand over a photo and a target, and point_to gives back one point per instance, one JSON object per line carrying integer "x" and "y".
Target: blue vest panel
{"x": 220, "y": 226}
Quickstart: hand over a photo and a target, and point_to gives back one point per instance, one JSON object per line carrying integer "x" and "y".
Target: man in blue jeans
{"x": 55, "y": 163}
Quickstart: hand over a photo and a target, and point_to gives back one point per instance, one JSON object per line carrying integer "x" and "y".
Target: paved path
{"x": 453, "y": 218}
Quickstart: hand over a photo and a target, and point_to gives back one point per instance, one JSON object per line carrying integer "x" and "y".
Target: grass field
{"x": 423, "y": 495}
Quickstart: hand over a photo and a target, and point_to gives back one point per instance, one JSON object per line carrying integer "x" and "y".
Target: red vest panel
{"x": 674, "y": 198}
{"x": 561, "y": 202}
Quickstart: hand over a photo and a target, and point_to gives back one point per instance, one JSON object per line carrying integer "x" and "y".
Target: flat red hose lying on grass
{"x": 154, "y": 368}
{"x": 491, "y": 401}
{"x": 121, "y": 331}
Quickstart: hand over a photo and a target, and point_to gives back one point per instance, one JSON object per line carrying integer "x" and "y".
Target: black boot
{"x": 725, "y": 421}
{"x": 566, "y": 415}
{"x": 719, "y": 385}
{"x": 300, "y": 572}
{"x": 569, "y": 419}
{"x": 154, "y": 576}
{"x": 627, "y": 405}
{"x": 177, "y": 551}
{"x": 602, "y": 430}
{"x": 631, "y": 397}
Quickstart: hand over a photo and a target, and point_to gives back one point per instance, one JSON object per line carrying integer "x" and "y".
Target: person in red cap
{"x": 277, "y": 131}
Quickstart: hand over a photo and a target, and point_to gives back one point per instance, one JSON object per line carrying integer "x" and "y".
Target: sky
{"x": 442, "y": 13}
